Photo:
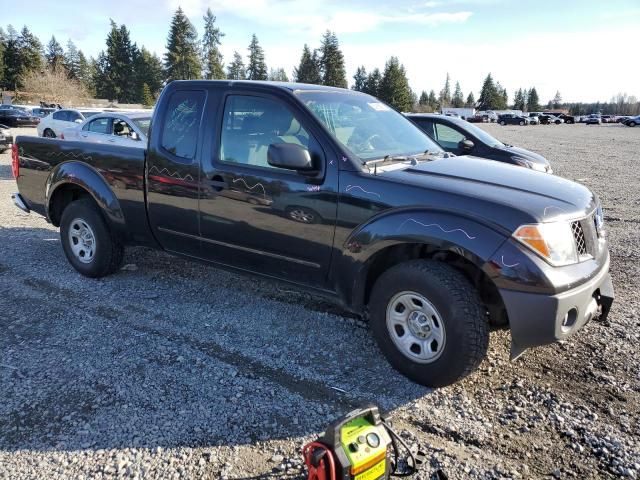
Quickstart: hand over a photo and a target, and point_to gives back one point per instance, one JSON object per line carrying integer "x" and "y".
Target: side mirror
{"x": 134, "y": 136}
{"x": 78, "y": 120}
{"x": 466, "y": 145}
{"x": 290, "y": 156}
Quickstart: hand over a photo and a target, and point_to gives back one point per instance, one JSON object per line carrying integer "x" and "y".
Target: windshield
{"x": 483, "y": 136}
{"x": 88, "y": 114}
{"x": 368, "y": 128}
{"x": 143, "y": 124}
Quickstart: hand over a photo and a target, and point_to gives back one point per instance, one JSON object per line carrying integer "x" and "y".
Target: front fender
{"x": 441, "y": 230}
{"x": 86, "y": 177}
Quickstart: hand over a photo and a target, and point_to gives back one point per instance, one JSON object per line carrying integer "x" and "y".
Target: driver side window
{"x": 448, "y": 137}
{"x": 251, "y": 124}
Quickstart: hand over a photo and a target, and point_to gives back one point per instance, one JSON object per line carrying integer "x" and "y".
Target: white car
{"x": 130, "y": 129}
{"x": 53, "y": 124}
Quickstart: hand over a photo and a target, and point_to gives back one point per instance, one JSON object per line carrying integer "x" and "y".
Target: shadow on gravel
{"x": 5, "y": 172}
{"x": 171, "y": 353}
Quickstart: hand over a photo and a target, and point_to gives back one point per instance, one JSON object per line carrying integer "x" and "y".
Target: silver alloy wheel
{"x": 415, "y": 327}
{"x": 82, "y": 240}
{"x": 300, "y": 215}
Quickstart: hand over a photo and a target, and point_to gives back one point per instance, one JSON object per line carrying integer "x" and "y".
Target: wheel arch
{"x": 461, "y": 242}
{"x": 72, "y": 180}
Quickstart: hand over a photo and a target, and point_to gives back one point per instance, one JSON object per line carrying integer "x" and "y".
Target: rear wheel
{"x": 429, "y": 322}
{"x": 88, "y": 242}
{"x": 48, "y": 133}
{"x": 521, "y": 123}
{"x": 632, "y": 124}
{"x": 503, "y": 123}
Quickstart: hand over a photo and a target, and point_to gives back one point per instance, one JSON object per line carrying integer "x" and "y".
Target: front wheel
{"x": 521, "y": 123}
{"x": 429, "y": 322}
{"x": 503, "y": 123}
{"x": 48, "y": 133}
{"x": 89, "y": 244}
{"x": 632, "y": 124}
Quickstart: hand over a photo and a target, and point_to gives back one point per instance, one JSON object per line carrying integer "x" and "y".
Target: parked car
{"x": 17, "y": 117}
{"x": 461, "y": 138}
{"x": 632, "y": 121}
{"x": 435, "y": 251}
{"x": 53, "y": 124}
{"x": 608, "y": 119}
{"x": 6, "y": 139}
{"x": 593, "y": 120}
{"x": 126, "y": 130}
{"x": 568, "y": 119}
{"x": 533, "y": 119}
{"x": 512, "y": 119}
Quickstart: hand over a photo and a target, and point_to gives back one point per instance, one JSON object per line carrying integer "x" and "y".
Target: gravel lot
{"x": 172, "y": 369}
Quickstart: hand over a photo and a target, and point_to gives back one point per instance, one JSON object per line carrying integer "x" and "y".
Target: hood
{"x": 527, "y": 154}
{"x": 504, "y": 194}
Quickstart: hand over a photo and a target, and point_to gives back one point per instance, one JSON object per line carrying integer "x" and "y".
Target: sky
{"x": 586, "y": 49}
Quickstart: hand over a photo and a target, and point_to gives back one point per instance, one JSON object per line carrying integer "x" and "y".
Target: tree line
{"x": 127, "y": 73}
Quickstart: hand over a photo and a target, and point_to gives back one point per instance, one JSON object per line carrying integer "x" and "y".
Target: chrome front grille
{"x": 585, "y": 234}
{"x": 578, "y": 236}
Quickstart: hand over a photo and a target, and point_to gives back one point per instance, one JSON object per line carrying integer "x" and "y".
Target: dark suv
{"x": 512, "y": 119}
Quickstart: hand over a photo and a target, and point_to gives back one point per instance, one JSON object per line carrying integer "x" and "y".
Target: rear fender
{"x": 440, "y": 230}
{"x": 88, "y": 178}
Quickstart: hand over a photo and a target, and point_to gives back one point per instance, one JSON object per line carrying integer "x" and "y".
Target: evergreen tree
{"x": 492, "y": 95}
{"x": 257, "y": 68}
{"x": 308, "y": 71}
{"x": 360, "y": 79}
{"x": 11, "y": 57}
{"x": 502, "y": 99}
{"x": 557, "y": 100}
{"x": 394, "y": 87}
{"x": 212, "y": 58}
{"x": 458, "y": 98}
{"x": 332, "y": 61}
{"x": 86, "y": 72}
{"x": 30, "y": 51}
{"x": 278, "y": 75}
{"x": 3, "y": 39}
{"x": 148, "y": 72}
{"x": 54, "y": 54}
{"x": 236, "y": 70}
{"x": 372, "y": 85}
{"x": 533, "y": 100}
{"x": 445, "y": 93}
{"x": 147, "y": 97}
{"x": 433, "y": 101}
{"x": 424, "y": 99}
{"x": 72, "y": 61}
{"x": 519, "y": 101}
{"x": 471, "y": 101}
{"x": 182, "y": 60}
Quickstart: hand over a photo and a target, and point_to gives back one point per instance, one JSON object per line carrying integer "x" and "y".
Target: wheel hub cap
{"x": 415, "y": 327}
{"x": 82, "y": 240}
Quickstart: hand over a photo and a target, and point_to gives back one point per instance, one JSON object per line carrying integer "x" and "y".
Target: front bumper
{"x": 538, "y": 319}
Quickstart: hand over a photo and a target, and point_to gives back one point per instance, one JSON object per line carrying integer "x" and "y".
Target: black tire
{"x": 48, "y": 133}
{"x": 503, "y": 123}
{"x": 462, "y": 313}
{"x": 632, "y": 124}
{"x": 521, "y": 123}
{"x": 109, "y": 251}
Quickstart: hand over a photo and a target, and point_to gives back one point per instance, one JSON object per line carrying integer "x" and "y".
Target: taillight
{"x": 15, "y": 161}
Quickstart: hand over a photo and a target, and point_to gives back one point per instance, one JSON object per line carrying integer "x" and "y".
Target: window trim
{"x": 109, "y": 123}
{"x": 297, "y": 115}
{"x": 199, "y": 140}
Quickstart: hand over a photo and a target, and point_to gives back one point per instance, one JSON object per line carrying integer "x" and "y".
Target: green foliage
{"x": 457, "y": 101}
{"x": 423, "y": 101}
{"x": 30, "y": 51}
{"x": 257, "y": 68}
{"x": 471, "y": 101}
{"x": 557, "y": 100}
{"x": 278, "y": 75}
{"x": 445, "y": 93}
{"x": 492, "y": 95}
{"x": 308, "y": 71}
{"x": 533, "y": 102}
{"x": 72, "y": 61}
{"x": 211, "y": 56}
{"x": 86, "y": 73}
{"x": 13, "y": 68}
{"x": 360, "y": 79}
{"x": 148, "y": 71}
{"x": 115, "y": 79}
{"x": 54, "y": 54}
{"x": 332, "y": 61}
{"x": 236, "y": 70}
{"x": 433, "y": 101}
{"x": 147, "y": 97}
{"x": 394, "y": 87}
{"x": 2, "y": 41}
{"x": 182, "y": 59}
{"x": 372, "y": 85}
{"x": 519, "y": 100}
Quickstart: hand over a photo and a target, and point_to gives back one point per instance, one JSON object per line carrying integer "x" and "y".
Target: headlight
{"x": 523, "y": 162}
{"x": 552, "y": 241}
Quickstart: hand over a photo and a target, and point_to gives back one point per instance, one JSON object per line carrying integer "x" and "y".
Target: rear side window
{"x": 99, "y": 125}
{"x": 62, "y": 115}
{"x": 182, "y": 123}
{"x": 73, "y": 116}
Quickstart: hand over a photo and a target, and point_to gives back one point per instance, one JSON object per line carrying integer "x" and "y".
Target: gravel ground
{"x": 172, "y": 369}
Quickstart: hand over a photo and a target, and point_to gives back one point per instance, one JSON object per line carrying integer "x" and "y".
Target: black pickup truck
{"x": 338, "y": 193}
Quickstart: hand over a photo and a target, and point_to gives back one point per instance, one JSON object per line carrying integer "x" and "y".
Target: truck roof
{"x": 291, "y": 86}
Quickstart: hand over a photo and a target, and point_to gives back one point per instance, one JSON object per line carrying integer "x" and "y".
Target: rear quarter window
{"x": 182, "y": 124}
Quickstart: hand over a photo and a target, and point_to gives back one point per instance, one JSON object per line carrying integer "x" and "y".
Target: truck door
{"x": 262, "y": 218}
{"x": 173, "y": 171}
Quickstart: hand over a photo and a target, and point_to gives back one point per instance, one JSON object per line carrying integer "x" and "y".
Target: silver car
{"x": 126, "y": 129}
